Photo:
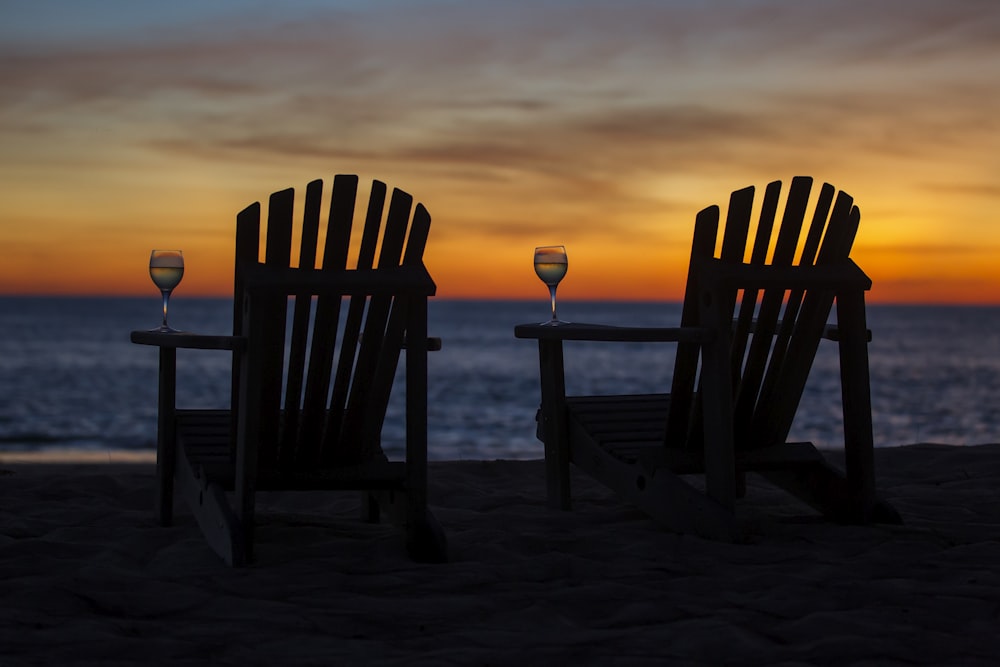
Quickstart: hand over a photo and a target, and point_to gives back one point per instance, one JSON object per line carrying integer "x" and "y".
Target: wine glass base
{"x": 165, "y": 330}
{"x": 553, "y": 323}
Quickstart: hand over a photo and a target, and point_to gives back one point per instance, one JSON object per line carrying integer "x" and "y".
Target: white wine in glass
{"x": 550, "y": 266}
{"x": 166, "y": 268}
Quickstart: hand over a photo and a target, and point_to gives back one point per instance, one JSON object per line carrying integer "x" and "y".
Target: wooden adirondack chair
{"x": 753, "y": 316}
{"x": 310, "y": 386}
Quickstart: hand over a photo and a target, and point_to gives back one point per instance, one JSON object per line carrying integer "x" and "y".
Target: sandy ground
{"x": 88, "y": 577}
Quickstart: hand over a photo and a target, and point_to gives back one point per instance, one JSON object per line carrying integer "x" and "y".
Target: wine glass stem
{"x": 166, "y": 299}
{"x": 552, "y": 296}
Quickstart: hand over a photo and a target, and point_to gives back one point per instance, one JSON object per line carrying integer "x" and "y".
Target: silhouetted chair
{"x": 755, "y": 309}
{"x": 315, "y": 353}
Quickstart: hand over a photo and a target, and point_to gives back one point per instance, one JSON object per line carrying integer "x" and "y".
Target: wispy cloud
{"x": 583, "y": 115}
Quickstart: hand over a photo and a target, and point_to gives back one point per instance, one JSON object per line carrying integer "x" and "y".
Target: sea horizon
{"x": 154, "y": 299}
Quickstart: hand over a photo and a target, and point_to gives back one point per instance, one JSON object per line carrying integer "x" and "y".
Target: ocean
{"x": 70, "y": 379}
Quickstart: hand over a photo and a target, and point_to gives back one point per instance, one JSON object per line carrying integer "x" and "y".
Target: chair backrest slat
{"x": 355, "y": 320}
{"x": 372, "y": 341}
{"x": 810, "y": 248}
{"x": 336, "y": 250}
{"x": 388, "y": 358}
{"x": 271, "y": 347}
{"x": 300, "y": 325}
{"x": 246, "y": 254}
{"x": 748, "y": 307}
{"x": 682, "y": 391}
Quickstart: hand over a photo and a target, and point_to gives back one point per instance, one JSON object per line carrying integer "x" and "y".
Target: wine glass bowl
{"x": 550, "y": 266}
{"x": 166, "y": 268}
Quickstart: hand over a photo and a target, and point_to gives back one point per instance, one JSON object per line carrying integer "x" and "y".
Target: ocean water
{"x": 70, "y": 378}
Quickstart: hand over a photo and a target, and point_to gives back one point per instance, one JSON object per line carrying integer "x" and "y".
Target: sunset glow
{"x": 603, "y": 126}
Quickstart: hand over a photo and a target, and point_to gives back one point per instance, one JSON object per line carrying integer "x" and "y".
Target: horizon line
{"x": 498, "y": 299}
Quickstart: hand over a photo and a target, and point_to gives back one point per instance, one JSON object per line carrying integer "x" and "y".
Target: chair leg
{"x": 164, "y": 494}
{"x": 223, "y": 531}
{"x": 370, "y": 510}
{"x": 425, "y": 539}
{"x": 165, "y": 436}
{"x": 663, "y": 495}
{"x": 553, "y": 425}
{"x": 828, "y": 491}
{"x": 741, "y": 484}
{"x": 208, "y": 502}
{"x": 859, "y": 445}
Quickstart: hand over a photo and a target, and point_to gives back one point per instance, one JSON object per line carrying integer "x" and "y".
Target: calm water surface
{"x": 70, "y": 378}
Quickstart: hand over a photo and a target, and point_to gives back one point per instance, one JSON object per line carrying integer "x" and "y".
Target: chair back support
{"x": 328, "y": 361}
{"x": 776, "y": 332}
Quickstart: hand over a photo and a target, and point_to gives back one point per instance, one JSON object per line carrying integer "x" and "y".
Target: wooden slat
{"x": 340, "y": 224}
{"x": 621, "y": 423}
{"x": 396, "y": 335}
{"x": 758, "y": 257}
{"x": 765, "y": 324}
{"x": 300, "y": 327}
{"x": 734, "y": 239}
{"x": 814, "y": 236}
{"x": 405, "y": 280}
{"x": 772, "y": 422}
{"x": 352, "y": 326}
{"x": 361, "y": 410}
{"x": 247, "y": 253}
{"x": 735, "y": 235}
{"x": 204, "y": 434}
{"x": 179, "y": 339}
{"x": 269, "y": 347}
{"x": 680, "y": 419}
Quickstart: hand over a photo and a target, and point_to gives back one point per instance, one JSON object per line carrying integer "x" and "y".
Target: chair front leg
{"x": 554, "y": 427}
{"x": 855, "y": 382}
{"x": 166, "y": 460}
{"x": 416, "y": 403}
{"x": 717, "y": 403}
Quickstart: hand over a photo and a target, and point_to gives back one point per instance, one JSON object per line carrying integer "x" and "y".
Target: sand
{"x": 88, "y": 577}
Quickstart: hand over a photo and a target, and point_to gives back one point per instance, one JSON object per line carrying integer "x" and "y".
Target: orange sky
{"x": 604, "y": 126}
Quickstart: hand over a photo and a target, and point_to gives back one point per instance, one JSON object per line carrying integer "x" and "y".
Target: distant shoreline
{"x": 69, "y": 455}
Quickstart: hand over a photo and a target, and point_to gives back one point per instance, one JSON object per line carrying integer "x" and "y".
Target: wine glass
{"x": 166, "y": 268}
{"x": 550, "y": 266}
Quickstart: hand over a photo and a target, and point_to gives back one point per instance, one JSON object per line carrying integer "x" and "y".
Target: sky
{"x": 604, "y": 126}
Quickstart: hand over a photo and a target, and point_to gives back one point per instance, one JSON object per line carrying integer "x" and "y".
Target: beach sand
{"x": 88, "y": 577}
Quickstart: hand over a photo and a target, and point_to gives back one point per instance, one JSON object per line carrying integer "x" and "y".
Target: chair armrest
{"x": 188, "y": 340}
{"x": 601, "y": 332}
{"x": 433, "y": 344}
{"x": 832, "y": 332}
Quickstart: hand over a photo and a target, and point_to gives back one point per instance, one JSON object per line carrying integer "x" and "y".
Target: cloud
{"x": 984, "y": 190}
{"x": 580, "y": 49}
{"x": 557, "y": 105}
{"x": 936, "y": 250}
